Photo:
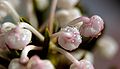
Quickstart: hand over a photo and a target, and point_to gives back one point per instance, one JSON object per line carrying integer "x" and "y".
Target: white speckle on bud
{"x": 36, "y": 63}
{"x": 69, "y": 38}
{"x": 107, "y": 46}
{"x": 83, "y": 64}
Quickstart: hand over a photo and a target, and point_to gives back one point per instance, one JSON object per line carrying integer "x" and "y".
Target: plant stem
{"x": 25, "y": 25}
{"x": 68, "y": 55}
{"x": 10, "y": 9}
{"x": 39, "y": 35}
{"x": 24, "y": 58}
{"x": 31, "y": 14}
{"x": 52, "y": 14}
{"x": 79, "y": 20}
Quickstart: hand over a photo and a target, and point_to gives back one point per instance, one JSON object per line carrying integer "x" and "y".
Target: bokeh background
{"x": 109, "y": 10}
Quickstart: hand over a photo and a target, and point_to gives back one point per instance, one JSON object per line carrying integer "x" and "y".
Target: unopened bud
{"x": 36, "y": 63}
{"x": 92, "y": 28}
{"x": 107, "y": 46}
{"x": 14, "y": 64}
{"x": 65, "y": 16}
{"x": 18, "y": 38}
{"x": 69, "y": 38}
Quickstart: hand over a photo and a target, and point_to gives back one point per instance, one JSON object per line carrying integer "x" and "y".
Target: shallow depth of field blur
{"x": 109, "y": 10}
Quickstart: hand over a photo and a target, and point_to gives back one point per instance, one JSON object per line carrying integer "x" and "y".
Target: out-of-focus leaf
{"x": 2, "y": 67}
{"x": 45, "y": 44}
{"x": 55, "y": 26}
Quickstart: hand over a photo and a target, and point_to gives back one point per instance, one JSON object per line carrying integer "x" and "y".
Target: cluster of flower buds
{"x": 91, "y": 27}
{"x": 72, "y": 24}
{"x": 69, "y": 37}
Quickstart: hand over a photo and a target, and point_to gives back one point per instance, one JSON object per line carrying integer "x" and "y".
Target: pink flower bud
{"x": 14, "y": 64}
{"x": 36, "y": 63}
{"x": 69, "y": 38}
{"x": 93, "y": 27}
{"x": 83, "y": 64}
{"x": 18, "y": 38}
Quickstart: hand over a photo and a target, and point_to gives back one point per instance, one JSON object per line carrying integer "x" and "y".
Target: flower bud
{"x": 69, "y": 38}
{"x": 93, "y": 27}
{"x": 14, "y": 64}
{"x": 42, "y": 4}
{"x": 36, "y": 63}
{"x": 65, "y": 16}
{"x": 67, "y": 4}
{"x": 18, "y": 38}
{"x": 107, "y": 46}
{"x": 83, "y": 64}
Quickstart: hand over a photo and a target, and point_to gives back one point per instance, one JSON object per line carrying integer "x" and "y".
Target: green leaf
{"x": 46, "y": 44}
{"x": 22, "y": 19}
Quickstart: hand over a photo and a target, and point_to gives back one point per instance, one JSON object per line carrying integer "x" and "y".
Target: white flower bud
{"x": 14, "y": 64}
{"x": 36, "y": 63}
{"x": 93, "y": 27}
{"x": 18, "y": 38}
{"x": 67, "y": 4}
{"x": 42, "y": 4}
{"x": 107, "y": 46}
{"x": 69, "y": 38}
{"x": 83, "y": 64}
{"x": 65, "y": 16}
{"x": 7, "y": 26}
